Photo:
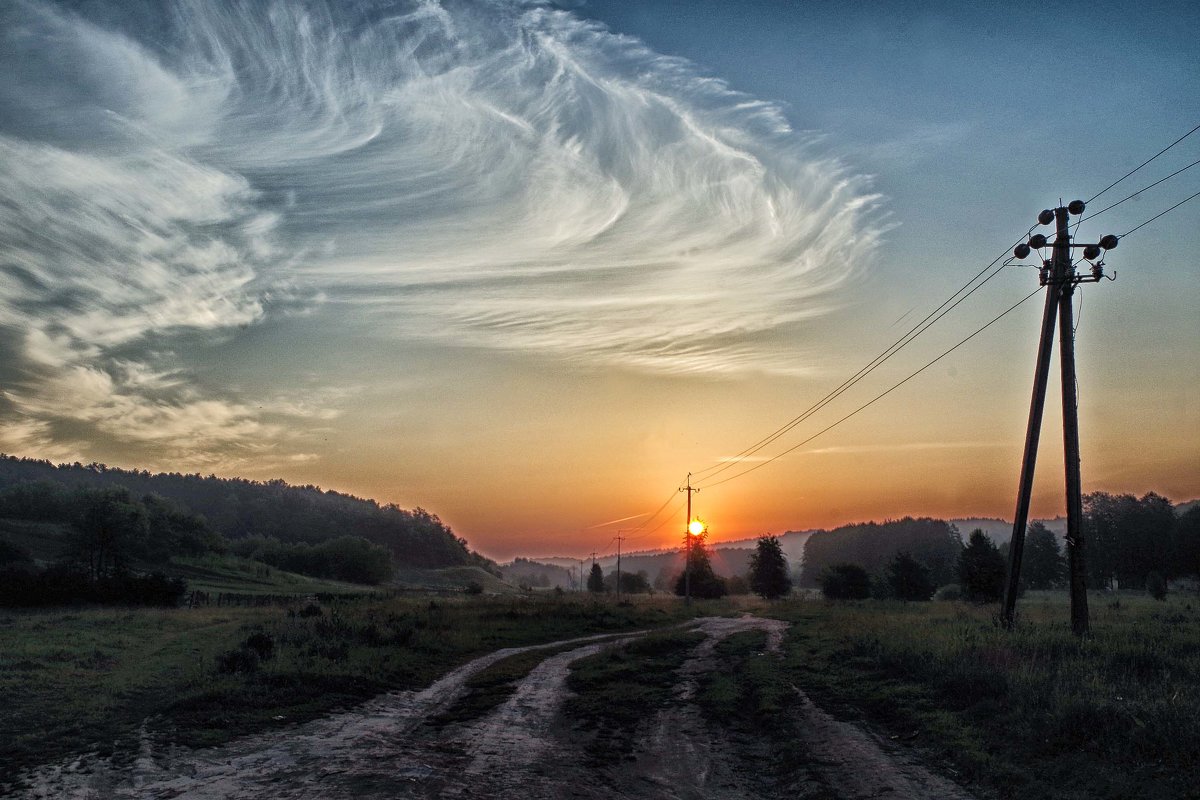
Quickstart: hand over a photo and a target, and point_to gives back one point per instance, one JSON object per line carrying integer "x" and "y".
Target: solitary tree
{"x": 704, "y": 582}
{"x": 908, "y": 579}
{"x": 596, "y": 579}
{"x": 769, "y": 576}
{"x": 981, "y": 569}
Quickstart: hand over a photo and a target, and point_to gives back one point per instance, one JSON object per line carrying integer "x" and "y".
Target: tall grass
{"x": 1034, "y": 712}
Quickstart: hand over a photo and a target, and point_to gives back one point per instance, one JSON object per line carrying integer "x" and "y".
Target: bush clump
{"x": 845, "y": 582}
{"x": 1156, "y": 586}
{"x": 246, "y": 657}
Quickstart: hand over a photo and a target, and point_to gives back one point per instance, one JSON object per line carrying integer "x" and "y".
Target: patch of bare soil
{"x": 522, "y": 749}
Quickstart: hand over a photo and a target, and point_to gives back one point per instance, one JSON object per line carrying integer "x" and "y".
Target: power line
{"x": 932, "y": 318}
{"x": 1156, "y": 216}
{"x": 929, "y": 321}
{"x": 666, "y": 519}
{"x": 651, "y": 518}
{"x": 1144, "y": 163}
{"x": 1139, "y": 191}
{"x": 877, "y": 397}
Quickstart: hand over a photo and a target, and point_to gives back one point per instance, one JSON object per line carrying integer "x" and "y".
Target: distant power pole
{"x": 687, "y": 541}
{"x": 581, "y": 574}
{"x": 1059, "y": 277}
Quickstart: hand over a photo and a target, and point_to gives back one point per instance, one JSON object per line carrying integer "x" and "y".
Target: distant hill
{"x": 238, "y": 508}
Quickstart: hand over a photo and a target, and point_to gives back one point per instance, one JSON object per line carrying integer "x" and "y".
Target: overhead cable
{"x": 1144, "y": 163}
{"x": 877, "y": 397}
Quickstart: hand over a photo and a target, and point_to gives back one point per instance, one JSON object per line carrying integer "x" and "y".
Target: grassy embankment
{"x": 1033, "y": 713}
{"x": 80, "y": 680}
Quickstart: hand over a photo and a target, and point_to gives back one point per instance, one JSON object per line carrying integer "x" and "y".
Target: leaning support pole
{"x": 1033, "y": 431}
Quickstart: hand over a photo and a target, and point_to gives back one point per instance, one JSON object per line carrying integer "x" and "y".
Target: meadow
{"x": 1030, "y": 713}
{"x": 95, "y": 680}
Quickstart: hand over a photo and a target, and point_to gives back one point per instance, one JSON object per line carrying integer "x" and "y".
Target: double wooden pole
{"x": 1060, "y": 290}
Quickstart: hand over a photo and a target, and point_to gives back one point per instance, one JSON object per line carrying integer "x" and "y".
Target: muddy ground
{"x": 523, "y": 749}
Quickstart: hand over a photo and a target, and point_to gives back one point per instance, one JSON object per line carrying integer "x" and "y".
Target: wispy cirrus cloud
{"x": 498, "y": 175}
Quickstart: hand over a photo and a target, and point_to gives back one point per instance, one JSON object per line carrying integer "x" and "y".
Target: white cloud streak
{"x": 498, "y": 175}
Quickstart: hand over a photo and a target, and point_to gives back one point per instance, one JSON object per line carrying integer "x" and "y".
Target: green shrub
{"x": 845, "y": 582}
{"x": 949, "y": 592}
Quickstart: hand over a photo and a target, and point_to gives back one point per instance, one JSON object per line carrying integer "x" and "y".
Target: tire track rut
{"x": 523, "y": 749}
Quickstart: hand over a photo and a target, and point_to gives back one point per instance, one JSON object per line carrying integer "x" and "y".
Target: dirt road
{"x": 522, "y": 749}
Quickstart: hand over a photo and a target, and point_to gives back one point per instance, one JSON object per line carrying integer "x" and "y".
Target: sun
{"x": 695, "y": 527}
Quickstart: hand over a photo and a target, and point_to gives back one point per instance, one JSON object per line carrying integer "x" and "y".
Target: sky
{"x": 527, "y": 265}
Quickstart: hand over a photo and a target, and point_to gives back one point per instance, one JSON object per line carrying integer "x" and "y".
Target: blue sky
{"x": 526, "y": 265}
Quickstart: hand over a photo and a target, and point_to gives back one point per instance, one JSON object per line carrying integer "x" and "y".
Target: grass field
{"x": 75, "y": 681}
{"x": 1034, "y": 713}
{"x": 216, "y": 574}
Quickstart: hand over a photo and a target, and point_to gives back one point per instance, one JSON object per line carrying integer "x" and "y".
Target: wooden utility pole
{"x": 687, "y": 541}
{"x": 1070, "y": 404}
{"x": 1059, "y": 276}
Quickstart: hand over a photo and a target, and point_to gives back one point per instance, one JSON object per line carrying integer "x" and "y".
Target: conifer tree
{"x": 769, "y": 576}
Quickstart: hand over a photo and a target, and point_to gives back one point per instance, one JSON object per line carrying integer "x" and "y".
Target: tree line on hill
{"x": 109, "y": 536}
{"x": 1130, "y": 543}
{"x": 238, "y": 508}
{"x": 111, "y": 539}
